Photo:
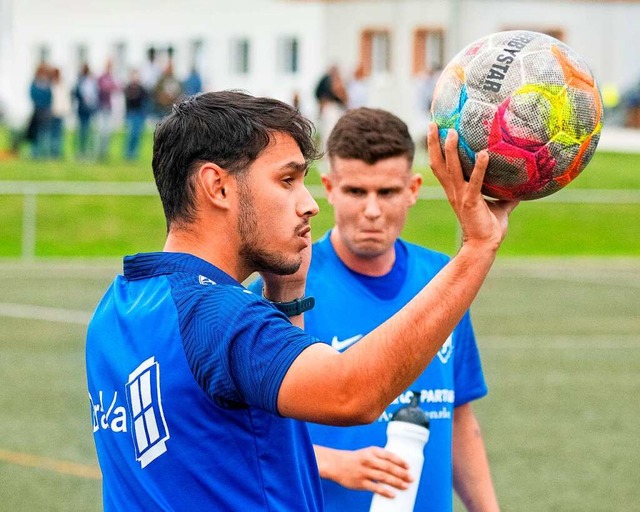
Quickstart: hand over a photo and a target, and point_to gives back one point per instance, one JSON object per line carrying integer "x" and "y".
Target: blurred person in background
{"x": 358, "y": 89}
{"x": 331, "y": 95}
{"x": 361, "y": 274}
{"x": 193, "y": 83}
{"x": 85, "y": 94}
{"x": 428, "y": 87}
{"x": 167, "y": 92}
{"x": 135, "y": 99}
{"x": 107, "y": 86}
{"x": 150, "y": 73}
{"x": 39, "y": 129}
{"x": 632, "y": 104}
{"x": 425, "y": 85}
{"x": 60, "y": 110}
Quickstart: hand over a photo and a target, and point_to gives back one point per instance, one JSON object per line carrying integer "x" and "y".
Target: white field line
{"x": 30, "y": 312}
{"x": 574, "y": 195}
{"x": 542, "y": 270}
{"x": 571, "y": 195}
{"x": 591, "y": 342}
{"x": 579, "y": 269}
{"x": 488, "y": 341}
{"x": 544, "y": 275}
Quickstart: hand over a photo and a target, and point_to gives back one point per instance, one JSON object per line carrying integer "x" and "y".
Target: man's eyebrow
{"x": 294, "y": 166}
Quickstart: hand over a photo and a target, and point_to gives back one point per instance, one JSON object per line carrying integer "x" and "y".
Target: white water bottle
{"x": 407, "y": 434}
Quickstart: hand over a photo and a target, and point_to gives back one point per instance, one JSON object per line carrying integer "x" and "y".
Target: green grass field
{"x": 558, "y": 325}
{"x": 70, "y": 225}
{"x": 560, "y": 347}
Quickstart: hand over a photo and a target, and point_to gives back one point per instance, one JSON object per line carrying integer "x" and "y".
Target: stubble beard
{"x": 255, "y": 257}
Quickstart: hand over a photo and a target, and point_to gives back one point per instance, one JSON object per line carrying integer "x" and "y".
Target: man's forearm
{"x": 397, "y": 352}
{"x": 471, "y": 473}
{"x": 369, "y": 375}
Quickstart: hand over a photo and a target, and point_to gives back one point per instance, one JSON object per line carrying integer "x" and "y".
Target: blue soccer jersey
{"x": 184, "y": 366}
{"x": 347, "y": 308}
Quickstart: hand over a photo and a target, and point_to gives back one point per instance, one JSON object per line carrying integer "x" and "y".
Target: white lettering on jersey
{"x": 114, "y": 418}
{"x": 446, "y": 350}
{"x": 150, "y": 432}
{"x": 428, "y": 397}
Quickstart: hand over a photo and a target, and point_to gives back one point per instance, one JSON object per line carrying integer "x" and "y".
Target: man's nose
{"x": 308, "y": 205}
{"x": 372, "y": 207}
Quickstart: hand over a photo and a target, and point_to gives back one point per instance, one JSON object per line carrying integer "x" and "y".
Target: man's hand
{"x": 367, "y": 469}
{"x": 289, "y": 287}
{"x": 283, "y": 288}
{"x": 481, "y": 220}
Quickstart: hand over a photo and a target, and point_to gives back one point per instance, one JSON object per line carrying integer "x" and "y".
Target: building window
{"x": 288, "y": 55}
{"x": 375, "y": 52}
{"x": 428, "y": 50}
{"x": 240, "y": 53}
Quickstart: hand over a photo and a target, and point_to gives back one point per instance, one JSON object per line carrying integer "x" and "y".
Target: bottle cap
{"x": 412, "y": 413}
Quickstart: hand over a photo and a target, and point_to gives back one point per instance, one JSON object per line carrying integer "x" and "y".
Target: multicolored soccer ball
{"x": 528, "y": 99}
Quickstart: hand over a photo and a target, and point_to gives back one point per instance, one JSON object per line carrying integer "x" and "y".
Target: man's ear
{"x": 328, "y": 186}
{"x": 414, "y": 185}
{"x": 214, "y": 183}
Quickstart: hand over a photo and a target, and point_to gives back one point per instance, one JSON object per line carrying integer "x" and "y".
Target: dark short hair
{"x": 370, "y": 135}
{"x": 228, "y": 128}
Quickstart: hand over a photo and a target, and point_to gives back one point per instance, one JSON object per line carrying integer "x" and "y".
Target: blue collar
{"x": 388, "y": 286}
{"x": 151, "y": 264}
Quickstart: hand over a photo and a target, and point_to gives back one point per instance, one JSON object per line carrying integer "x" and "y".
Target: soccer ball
{"x": 528, "y": 99}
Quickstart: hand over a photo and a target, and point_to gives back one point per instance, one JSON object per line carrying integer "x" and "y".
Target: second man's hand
{"x": 368, "y": 469}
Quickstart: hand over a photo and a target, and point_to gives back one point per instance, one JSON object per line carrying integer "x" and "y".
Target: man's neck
{"x": 222, "y": 255}
{"x": 374, "y": 266}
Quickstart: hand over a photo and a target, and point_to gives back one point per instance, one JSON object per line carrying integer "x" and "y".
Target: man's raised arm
{"x": 355, "y": 386}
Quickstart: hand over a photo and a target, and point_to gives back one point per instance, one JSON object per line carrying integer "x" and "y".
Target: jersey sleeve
{"x": 239, "y": 348}
{"x": 468, "y": 375}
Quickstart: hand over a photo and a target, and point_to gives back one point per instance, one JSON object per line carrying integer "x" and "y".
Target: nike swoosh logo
{"x": 341, "y": 345}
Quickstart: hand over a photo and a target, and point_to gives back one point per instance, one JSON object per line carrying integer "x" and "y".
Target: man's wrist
{"x": 294, "y": 307}
{"x": 282, "y": 292}
{"x": 480, "y": 247}
{"x": 476, "y": 257}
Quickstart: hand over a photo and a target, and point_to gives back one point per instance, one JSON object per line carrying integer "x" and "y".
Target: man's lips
{"x": 304, "y": 231}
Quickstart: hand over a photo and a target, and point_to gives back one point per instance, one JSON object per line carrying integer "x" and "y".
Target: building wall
{"x": 604, "y": 33}
{"x": 328, "y": 32}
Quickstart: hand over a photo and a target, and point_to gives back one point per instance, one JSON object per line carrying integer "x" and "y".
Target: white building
{"x": 281, "y": 47}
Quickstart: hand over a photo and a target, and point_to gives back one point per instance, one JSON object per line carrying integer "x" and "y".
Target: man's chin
{"x": 279, "y": 267}
{"x": 270, "y": 262}
{"x": 287, "y": 270}
{"x": 369, "y": 250}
